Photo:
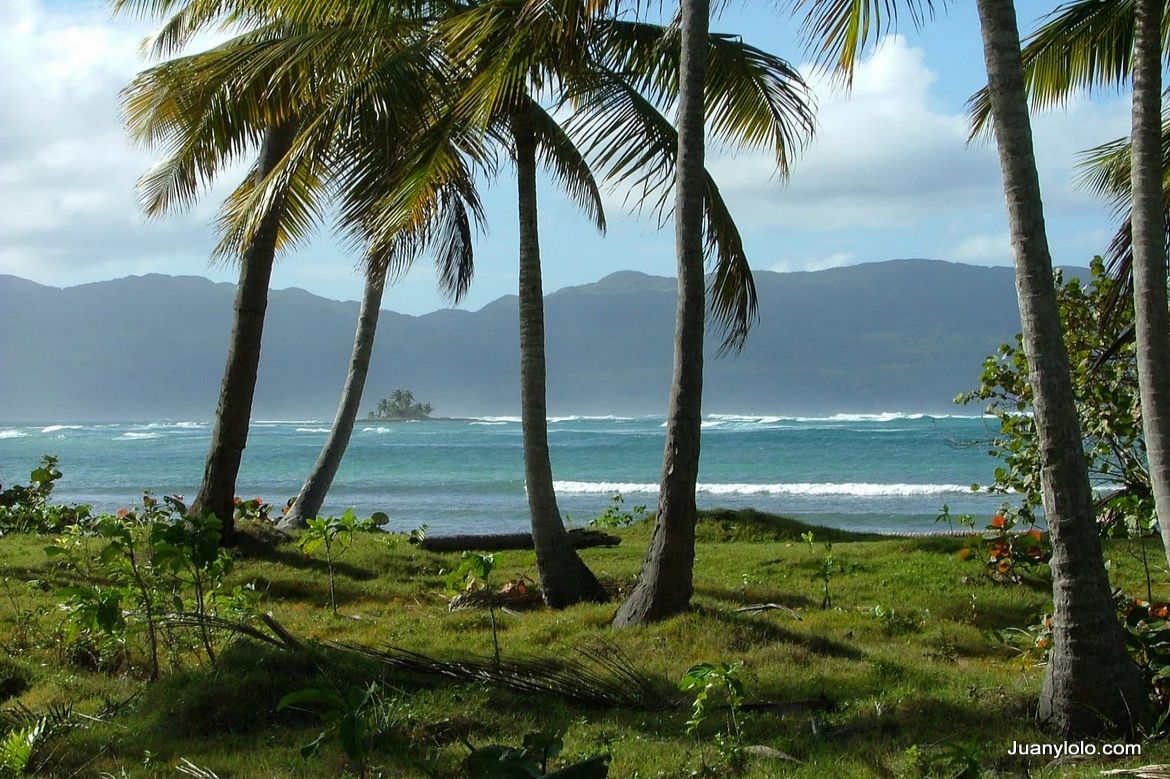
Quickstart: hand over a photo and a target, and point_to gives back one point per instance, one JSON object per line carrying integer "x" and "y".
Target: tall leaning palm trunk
{"x": 564, "y": 578}
{"x": 665, "y": 584}
{"x": 1090, "y": 686}
{"x": 1148, "y": 219}
{"x": 316, "y": 486}
{"x": 229, "y": 435}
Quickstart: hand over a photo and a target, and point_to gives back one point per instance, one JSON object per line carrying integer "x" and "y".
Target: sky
{"x": 888, "y": 175}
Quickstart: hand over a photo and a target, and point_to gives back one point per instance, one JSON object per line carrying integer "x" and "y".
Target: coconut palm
{"x": 345, "y": 143}
{"x": 1086, "y": 46}
{"x": 1091, "y": 685}
{"x": 665, "y": 583}
{"x": 610, "y": 76}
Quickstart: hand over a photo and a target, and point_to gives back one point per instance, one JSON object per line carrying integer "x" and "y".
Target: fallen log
{"x": 496, "y": 542}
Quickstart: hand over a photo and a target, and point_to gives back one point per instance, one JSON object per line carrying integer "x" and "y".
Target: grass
{"x": 917, "y": 688}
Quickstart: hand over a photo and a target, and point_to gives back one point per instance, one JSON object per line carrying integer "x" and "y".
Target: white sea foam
{"x": 278, "y": 422}
{"x": 590, "y": 418}
{"x": 855, "y": 489}
{"x": 883, "y": 416}
{"x": 481, "y": 422}
{"x": 57, "y": 428}
{"x": 12, "y": 434}
{"x": 499, "y": 420}
{"x": 378, "y": 430}
{"x": 312, "y": 430}
{"x": 134, "y": 436}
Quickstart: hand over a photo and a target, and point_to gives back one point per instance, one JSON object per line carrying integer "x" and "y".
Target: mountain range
{"x": 900, "y": 335}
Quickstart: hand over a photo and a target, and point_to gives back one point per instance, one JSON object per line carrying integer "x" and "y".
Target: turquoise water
{"x": 879, "y": 472}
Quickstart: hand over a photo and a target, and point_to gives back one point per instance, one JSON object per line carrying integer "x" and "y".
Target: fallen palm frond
{"x": 280, "y": 639}
{"x": 600, "y": 676}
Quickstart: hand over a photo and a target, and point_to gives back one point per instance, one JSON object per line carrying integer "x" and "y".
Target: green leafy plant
{"x": 1031, "y": 644}
{"x": 251, "y": 509}
{"x": 897, "y": 622}
{"x": 474, "y": 573}
{"x": 354, "y": 718}
{"x": 827, "y": 566}
{"x": 28, "y": 508}
{"x": 718, "y": 679}
{"x": 531, "y": 759}
{"x": 1005, "y": 552}
{"x": 19, "y": 745}
{"x": 616, "y": 516}
{"x": 334, "y": 536}
{"x": 1147, "y": 629}
{"x": 964, "y": 520}
{"x": 145, "y": 570}
{"x": 1104, "y": 375}
{"x": 419, "y": 533}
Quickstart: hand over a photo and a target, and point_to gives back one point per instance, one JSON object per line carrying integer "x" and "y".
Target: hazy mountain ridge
{"x": 896, "y": 335}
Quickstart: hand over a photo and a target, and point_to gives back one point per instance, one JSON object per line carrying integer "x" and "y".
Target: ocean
{"x": 874, "y": 472}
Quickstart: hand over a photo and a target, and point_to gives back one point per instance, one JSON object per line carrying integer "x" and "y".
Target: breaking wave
{"x": 12, "y": 434}
{"x": 854, "y": 489}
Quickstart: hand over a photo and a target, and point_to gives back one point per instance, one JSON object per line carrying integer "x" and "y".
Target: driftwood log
{"x": 497, "y": 542}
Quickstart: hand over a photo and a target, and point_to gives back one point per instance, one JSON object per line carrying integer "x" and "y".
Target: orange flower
{"x": 1034, "y": 533}
{"x": 1004, "y": 566}
{"x": 123, "y": 513}
{"x": 1035, "y": 553}
{"x": 259, "y": 501}
{"x": 1160, "y": 612}
{"x": 996, "y": 553}
{"x": 998, "y": 521}
{"x": 236, "y": 500}
{"x": 965, "y": 553}
{"x": 1043, "y": 643}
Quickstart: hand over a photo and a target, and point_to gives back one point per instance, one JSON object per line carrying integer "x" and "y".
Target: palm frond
{"x": 838, "y": 32}
{"x": 636, "y": 146}
{"x": 567, "y": 164}
{"x": 1081, "y": 47}
{"x": 753, "y": 99}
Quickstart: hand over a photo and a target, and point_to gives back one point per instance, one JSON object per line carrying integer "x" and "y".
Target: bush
{"x": 26, "y": 509}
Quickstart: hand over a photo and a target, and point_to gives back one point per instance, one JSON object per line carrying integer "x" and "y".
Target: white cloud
{"x": 885, "y": 157}
{"x": 983, "y": 249}
{"x": 835, "y": 260}
{"x": 67, "y": 169}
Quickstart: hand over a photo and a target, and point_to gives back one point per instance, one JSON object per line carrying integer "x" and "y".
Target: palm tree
{"x": 316, "y": 486}
{"x": 604, "y": 70}
{"x": 665, "y": 583}
{"x": 233, "y": 414}
{"x": 455, "y": 261}
{"x": 1148, "y": 230}
{"x": 197, "y": 105}
{"x": 1085, "y": 46}
{"x": 1090, "y": 685}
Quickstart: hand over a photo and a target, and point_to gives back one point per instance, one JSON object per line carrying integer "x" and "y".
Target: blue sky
{"x": 888, "y": 175}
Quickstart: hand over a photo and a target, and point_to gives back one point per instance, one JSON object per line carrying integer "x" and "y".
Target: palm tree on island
{"x": 401, "y": 405}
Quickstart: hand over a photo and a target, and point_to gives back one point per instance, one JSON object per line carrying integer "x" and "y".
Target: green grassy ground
{"x": 911, "y": 693}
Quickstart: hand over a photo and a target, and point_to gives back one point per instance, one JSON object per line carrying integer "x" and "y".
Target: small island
{"x": 399, "y": 406}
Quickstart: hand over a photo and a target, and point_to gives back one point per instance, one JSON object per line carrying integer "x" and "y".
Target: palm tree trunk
{"x": 229, "y": 435}
{"x": 1148, "y": 219}
{"x": 665, "y": 584}
{"x": 1090, "y": 686}
{"x": 564, "y": 578}
{"x": 316, "y": 486}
